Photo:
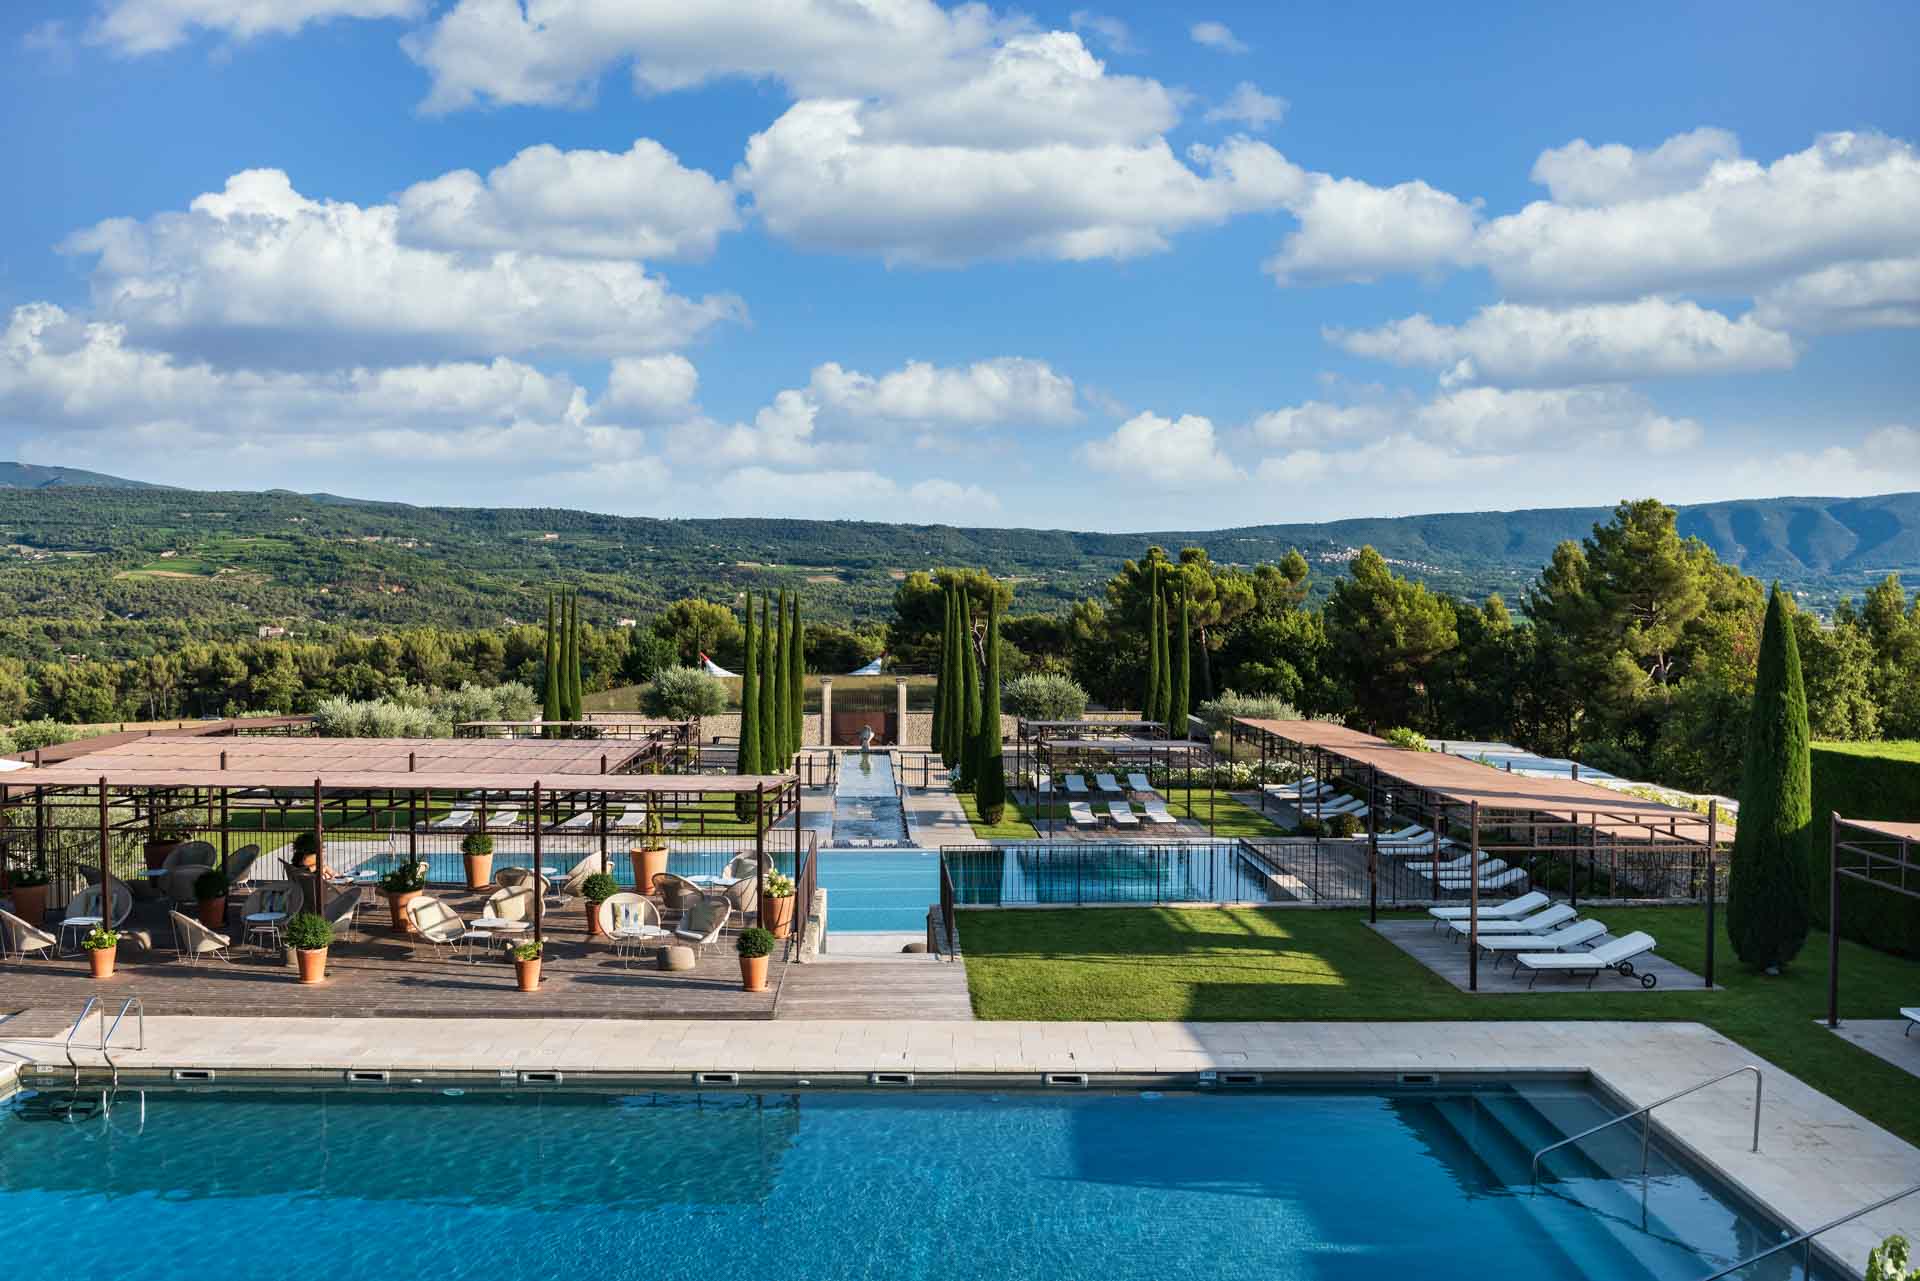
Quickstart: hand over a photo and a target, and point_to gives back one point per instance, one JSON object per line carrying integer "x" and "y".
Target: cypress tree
{"x": 770, "y": 762}
{"x": 969, "y": 727}
{"x": 778, "y": 734}
{"x": 943, "y": 697}
{"x": 550, "y": 693}
{"x": 1768, "y": 913}
{"x": 1163, "y": 698}
{"x": 571, "y": 663}
{"x": 1182, "y": 669}
{"x": 1152, "y": 684}
{"x": 797, "y": 680}
{"x": 750, "y": 700}
{"x": 990, "y": 785}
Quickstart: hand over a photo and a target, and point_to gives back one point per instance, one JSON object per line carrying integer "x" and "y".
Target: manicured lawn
{"x": 1013, "y": 825}
{"x": 1293, "y": 965}
{"x": 1230, "y": 817}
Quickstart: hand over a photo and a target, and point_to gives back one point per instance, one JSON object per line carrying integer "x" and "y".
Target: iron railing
{"x": 1805, "y": 1239}
{"x": 1070, "y": 873}
{"x": 806, "y": 880}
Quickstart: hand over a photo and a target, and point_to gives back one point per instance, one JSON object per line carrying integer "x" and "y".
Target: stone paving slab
{"x": 1817, "y": 1160}
{"x": 1446, "y": 955}
{"x": 1888, "y": 1039}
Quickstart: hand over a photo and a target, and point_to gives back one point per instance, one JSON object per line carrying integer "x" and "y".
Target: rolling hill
{"x": 30, "y": 476}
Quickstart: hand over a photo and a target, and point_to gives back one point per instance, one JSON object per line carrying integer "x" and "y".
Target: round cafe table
{"x": 488, "y": 927}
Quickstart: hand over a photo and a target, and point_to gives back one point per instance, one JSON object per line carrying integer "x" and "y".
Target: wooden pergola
{"x": 1876, "y": 852}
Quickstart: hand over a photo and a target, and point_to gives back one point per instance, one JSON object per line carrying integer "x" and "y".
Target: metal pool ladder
{"x": 1646, "y": 1121}
{"x": 106, "y": 1034}
{"x": 1806, "y": 1239}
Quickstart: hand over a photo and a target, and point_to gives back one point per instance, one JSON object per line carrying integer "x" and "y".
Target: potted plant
{"x": 30, "y": 891}
{"x": 477, "y": 849}
{"x": 778, "y": 904}
{"x": 102, "y": 949}
{"x": 526, "y": 964}
{"x": 597, "y": 889}
{"x": 210, "y": 892}
{"x": 401, "y": 886}
{"x": 309, "y": 936}
{"x": 648, "y": 853}
{"x": 755, "y": 945}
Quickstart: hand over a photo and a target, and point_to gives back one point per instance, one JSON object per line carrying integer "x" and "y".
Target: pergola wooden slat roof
{"x": 226, "y": 731}
{"x": 311, "y": 756}
{"x": 399, "y": 781}
{"x": 1882, "y": 827}
{"x": 1460, "y": 781}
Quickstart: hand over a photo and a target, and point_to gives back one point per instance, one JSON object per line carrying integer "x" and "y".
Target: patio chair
{"x": 1080, "y": 814}
{"x": 83, "y": 910}
{"x": 1617, "y": 955}
{"x": 677, "y": 893}
{"x": 343, "y": 912}
{"x": 1512, "y": 909}
{"x": 1537, "y": 923}
{"x": 267, "y": 910}
{"x": 631, "y": 924}
{"x": 514, "y": 904}
{"x": 240, "y": 867}
{"x": 1121, "y": 812}
{"x": 746, "y": 865}
{"x": 515, "y": 878}
{"x": 575, "y": 882}
{"x": 1077, "y": 786}
{"x": 1107, "y": 783}
{"x": 703, "y": 922}
{"x": 1156, "y": 811}
{"x": 192, "y": 940}
{"x": 743, "y": 896}
{"x": 17, "y": 938}
{"x": 440, "y": 925}
{"x": 457, "y": 821}
{"x": 1571, "y": 935}
{"x": 1139, "y": 782}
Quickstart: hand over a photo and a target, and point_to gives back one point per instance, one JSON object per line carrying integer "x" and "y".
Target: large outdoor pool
{"x": 1070, "y": 871}
{"x": 1307, "y": 1183}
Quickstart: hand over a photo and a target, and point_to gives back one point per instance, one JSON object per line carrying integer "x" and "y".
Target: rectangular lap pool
{"x": 1297, "y": 1184}
{"x": 1070, "y": 871}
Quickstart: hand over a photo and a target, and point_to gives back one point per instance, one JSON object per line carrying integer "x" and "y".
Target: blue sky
{"x": 1119, "y": 267}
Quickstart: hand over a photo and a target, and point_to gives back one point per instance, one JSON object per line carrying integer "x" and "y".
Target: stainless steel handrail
{"x": 1646, "y": 1132}
{"x": 1806, "y": 1238}
{"x": 106, "y": 1037}
{"x": 73, "y": 1031}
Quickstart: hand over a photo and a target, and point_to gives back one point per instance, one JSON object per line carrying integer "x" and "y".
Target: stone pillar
{"x": 900, "y": 711}
{"x": 826, "y": 711}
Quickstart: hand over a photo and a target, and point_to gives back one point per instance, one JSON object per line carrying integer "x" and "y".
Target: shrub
{"x": 1343, "y": 826}
{"x": 41, "y": 733}
{"x": 599, "y": 887}
{"x": 1867, "y": 781}
{"x": 100, "y": 939}
{"x": 476, "y": 845}
{"x": 1768, "y": 912}
{"x": 527, "y": 951}
{"x": 1888, "y": 1262}
{"x": 779, "y": 885}
{"x": 309, "y": 932}
{"x": 1311, "y": 827}
{"x": 417, "y": 711}
{"x": 1044, "y": 696}
{"x": 1219, "y": 712}
{"x": 1410, "y": 739}
{"x": 681, "y": 692}
{"x": 408, "y": 878}
{"x": 210, "y": 885}
{"x": 754, "y": 941}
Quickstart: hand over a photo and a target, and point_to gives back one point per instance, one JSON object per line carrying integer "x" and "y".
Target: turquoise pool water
{"x": 1072, "y": 871}
{"x": 1295, "y": 1185}
{"x": 879, "y": 889}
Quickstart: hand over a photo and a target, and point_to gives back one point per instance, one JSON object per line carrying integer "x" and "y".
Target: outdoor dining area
{"x": 425, "y": 875}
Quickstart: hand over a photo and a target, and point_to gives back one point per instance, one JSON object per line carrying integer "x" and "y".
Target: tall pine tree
{"x": 797, "y": 682}
{"x": 1768, "y": 913}
{"x": 1182, "y": 668}
{"x": 750, "y": 699}
{"x": 550, "y": 693}
{"x": 990, "y": 786}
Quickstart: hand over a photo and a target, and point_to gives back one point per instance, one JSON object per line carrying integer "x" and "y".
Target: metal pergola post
{"x": 1713, "y": 842}
{"x": 539, "y": 890}
{"x": 1473, "y": 897}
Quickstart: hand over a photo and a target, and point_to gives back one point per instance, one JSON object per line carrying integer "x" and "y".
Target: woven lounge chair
{"x": 704, "y": 922}
{"x": 192, "y": 940}
{"x": 18, "y": 939}
{"x": 631, "y": 923}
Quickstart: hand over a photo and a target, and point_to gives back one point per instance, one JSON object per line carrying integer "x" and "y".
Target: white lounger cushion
{"x": 1081, "y": 813}
{"x": 1491, "y": 879}
{"x": 1123, "y": 814}
{"x": 1606, "y": 956}
{"x": 1157, "y": 813}
{"x": 1107, "y": 782}
{"x": 1460, "y": 880}
{"x": 1558, "y": 941}
{"x": 1506, "y": 911}
{"x": 1538, "y": 923}
{"x": 1139, "y": 782}
{"x": 1077, "y": 785}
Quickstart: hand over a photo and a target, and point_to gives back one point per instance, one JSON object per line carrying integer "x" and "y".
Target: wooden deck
{"x": 383, "y": 975}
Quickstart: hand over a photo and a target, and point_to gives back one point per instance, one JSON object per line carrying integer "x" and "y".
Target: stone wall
{"x": 919, "y": 729}
{"x": 727, "y": 726}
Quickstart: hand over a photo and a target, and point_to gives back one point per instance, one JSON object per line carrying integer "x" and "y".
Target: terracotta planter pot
{"x": 753, "y": 973}
{"x": 647, "y": 864}
{"x": 102, "y": 960}
{"x": 30, "y": 903}
{"x": 593, "y": 922}
{"x": 479, "y": 871}
{"x": 397, "y": 904}
{"x": 778, "y": 913}
{"x": 213, "y": 913}
{"x": 157, "y": 851}
{"x": 528, "y": 972}
{"x": 313, "y": 964}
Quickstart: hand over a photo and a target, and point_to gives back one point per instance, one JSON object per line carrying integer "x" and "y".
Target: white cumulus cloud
{"x": 1354, "y": 231}
{"x": 1247, "y": 105}
{"x": 1217, "y": 35}
{"x": 136, "y": 27}
{"x": 652, "y": 387}
{"x": 1151, "y": 450}
{"x": 1583, "y": 174}
{"x": 1010, "y": 389}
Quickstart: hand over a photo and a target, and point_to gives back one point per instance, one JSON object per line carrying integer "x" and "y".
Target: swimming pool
{"x": 1071, "y": 871}
{"x": 870, "y": 890}
{"x": 1318, "y": 1183}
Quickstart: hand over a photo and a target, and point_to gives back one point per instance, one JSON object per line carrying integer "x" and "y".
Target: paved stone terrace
{"x": 1889, "y": 1039}
{"x": 1816, "y": 1162}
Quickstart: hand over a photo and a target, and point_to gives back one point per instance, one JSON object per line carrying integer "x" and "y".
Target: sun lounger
{"x": 1156, "y": 811}
{"x": 1510, "y": 910}
{"x": 1291, "y": 792}
{"x": 1617, "y": 955}
{"x": 1411, "y": 832}
{"x": 1044, "y": 785}
{"x": 1464, "y": 878}
{"x": 1139, "y": 782}
{"x": 1571, "y": 935}
{"x": 574, "y": 822}
{"x": 1122, "y": 813}
{"x": 1333, "y": 806}
{"x": 1538, "y": 923}
{"x": 1076, "y": 785}
{"x": 458, "y": 820}
{"x": 502, "y": 820}
{"x": 1080, "y": 814}
{"x": 1107, "y": 783}
{"x": 632, "y": 819}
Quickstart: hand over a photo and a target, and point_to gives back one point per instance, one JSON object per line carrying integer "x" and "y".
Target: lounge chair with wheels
{"x": 1043, "y": 785}
{"x": 1334, "y": 807}
{"x": 193, "y": 940}
{"x": 1080, "y": 814}
{"x": 1305, "y": 785}
{"x": 632, "y": 819}
{"x": 18, "y": 939}
{"x": 1512, "y": 909}
{"x": 1912, "y": 1015}
{"x": 1536, "y": 923}
{"x": 580, "y": 822}
{"x": 704, "y": 922}
{"x": 1140, "y": 782}
{"x": 1077, "y": 786}
{"x": 1108, "y": 784}
{"x": 1574, "y": 934}
{"x": 1617, "y": 955}
{"x": 1122, "y": 814}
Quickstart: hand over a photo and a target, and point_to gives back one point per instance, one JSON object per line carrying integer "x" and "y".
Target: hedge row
{"x": 1865, "y": 781}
